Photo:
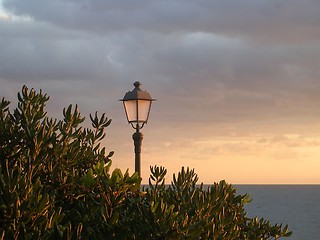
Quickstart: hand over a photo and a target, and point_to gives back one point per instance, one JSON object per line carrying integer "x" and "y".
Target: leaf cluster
{"x": 55, "y": 180}
{"x": 185, "y": 209}
{"x": 56, "y": 183}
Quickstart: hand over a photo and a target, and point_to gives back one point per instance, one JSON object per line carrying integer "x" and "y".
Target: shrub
{"x": 186, "y": 210}
{"x": 55, "y": 183}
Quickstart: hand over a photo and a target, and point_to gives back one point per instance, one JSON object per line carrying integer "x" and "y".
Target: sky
{"x": 237, "y": 83}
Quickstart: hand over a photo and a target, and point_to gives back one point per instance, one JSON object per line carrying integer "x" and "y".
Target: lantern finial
{"x": 137, "y": 84}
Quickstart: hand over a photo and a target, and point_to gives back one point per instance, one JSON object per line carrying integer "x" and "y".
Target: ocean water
{"x": 295, "y": 205}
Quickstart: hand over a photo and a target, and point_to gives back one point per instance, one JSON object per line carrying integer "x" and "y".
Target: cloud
{"x": 274, "y": 148}
{"x": 258, "y": 21}
{"x": 38, "y": 51}
{"x": 220, "y": 77}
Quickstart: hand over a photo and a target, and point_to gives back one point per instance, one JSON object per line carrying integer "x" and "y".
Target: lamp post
{"x": 137, "y": 105}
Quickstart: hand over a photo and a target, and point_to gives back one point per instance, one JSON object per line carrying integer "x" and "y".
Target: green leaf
{"x": 88, "y": 179}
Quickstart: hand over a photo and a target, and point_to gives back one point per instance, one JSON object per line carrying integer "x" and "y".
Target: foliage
{"x": 54, "y": 176}
{"x": 55, "y": 183}
{"x": 186, "y": 210}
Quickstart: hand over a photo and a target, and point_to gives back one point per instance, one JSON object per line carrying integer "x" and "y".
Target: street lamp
{"x": 137, "y": 105}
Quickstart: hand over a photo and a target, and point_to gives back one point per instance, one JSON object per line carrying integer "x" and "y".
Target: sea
{"x": 295, "y": 205}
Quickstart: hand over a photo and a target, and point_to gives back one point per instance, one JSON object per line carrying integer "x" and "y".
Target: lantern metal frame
{"x": 137, "y": 95}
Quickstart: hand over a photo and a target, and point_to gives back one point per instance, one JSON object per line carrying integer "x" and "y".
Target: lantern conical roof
{"x": 137, "y": 94}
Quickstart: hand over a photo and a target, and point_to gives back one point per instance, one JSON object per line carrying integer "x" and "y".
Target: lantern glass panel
{"x": 131, "y": 110}
{"x": 137, "y": 111}
{"x": 143, "y": 110}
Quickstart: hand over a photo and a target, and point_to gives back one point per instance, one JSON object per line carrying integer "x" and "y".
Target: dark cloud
{"x": 37, "y": 51}
{"x": 255, "y": 20}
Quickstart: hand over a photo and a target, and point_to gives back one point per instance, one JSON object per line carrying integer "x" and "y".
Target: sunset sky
{"x": 237, "y": 83}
